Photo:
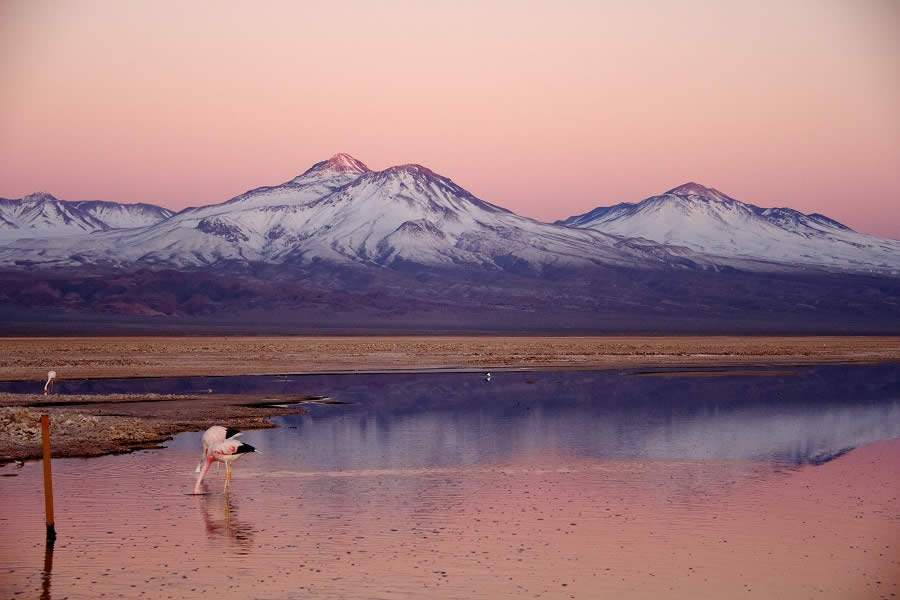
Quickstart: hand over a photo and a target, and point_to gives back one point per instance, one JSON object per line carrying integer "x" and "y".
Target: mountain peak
{"x": 340, "y": 164}
{"x": 39, "y": 197}
{"x": 691, "y": 188}
{"x": 344, "y": 163}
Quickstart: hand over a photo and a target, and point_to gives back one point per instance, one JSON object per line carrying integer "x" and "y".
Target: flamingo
{"x": 212, "y": 436}
{"x": 227, "y": 452}
{"x": 48, "y": 387}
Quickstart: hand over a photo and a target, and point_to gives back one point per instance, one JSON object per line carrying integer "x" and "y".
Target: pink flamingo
{"x": 227, "y": 452}
{"x": 212, "y": 436}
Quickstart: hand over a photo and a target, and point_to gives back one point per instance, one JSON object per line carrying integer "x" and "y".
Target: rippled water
{"x": 575, "y": 484}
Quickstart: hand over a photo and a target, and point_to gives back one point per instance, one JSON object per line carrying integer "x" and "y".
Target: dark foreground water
{"x": 774, "y": 483}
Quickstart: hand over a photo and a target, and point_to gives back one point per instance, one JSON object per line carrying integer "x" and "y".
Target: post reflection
{"x": 47, "y": 573}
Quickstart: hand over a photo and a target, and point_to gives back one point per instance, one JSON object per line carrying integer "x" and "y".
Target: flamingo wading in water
{"x": 227, "y": 452}
{"x": 212, "y": 436}
{"x": 48, "y": 387}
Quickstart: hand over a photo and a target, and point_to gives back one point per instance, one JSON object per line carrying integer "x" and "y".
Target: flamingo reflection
{"x": 221, "y": 522}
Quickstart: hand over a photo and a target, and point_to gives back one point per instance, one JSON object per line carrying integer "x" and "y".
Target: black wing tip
{"x": 244, "y": 448}
{"x": 231, "y": 432}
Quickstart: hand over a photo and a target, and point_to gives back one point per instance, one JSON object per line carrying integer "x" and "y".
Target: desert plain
{"x": 89, "y": 357}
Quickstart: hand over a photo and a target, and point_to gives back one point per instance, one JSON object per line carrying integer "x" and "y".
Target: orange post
{"x": 48, "y": 480}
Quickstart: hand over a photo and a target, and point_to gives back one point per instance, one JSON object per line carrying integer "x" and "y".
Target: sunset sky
{"x": 547, "y": 108}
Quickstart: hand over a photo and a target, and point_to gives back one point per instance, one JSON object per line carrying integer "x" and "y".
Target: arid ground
{"x": 85, "y": 357}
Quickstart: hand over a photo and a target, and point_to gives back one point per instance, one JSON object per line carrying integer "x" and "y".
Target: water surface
{"x": 558, "y": 484}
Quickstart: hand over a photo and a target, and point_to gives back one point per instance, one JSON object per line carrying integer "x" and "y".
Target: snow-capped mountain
{"x": 744, "y": 235}
{"x": 44, "y": 216}
{"x": 340, "y": 211}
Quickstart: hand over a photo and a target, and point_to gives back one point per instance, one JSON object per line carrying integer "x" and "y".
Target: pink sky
{"x": 547, "y": 108}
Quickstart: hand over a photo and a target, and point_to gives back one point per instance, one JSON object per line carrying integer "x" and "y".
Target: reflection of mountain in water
{"x": 478, "y": 433}
{"x": 821, "y": 459}
{"x": 809, "y": 436}
{"x": 810, "y": 417}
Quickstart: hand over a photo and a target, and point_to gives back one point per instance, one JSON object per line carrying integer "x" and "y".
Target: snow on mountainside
{"x": 124, "y": 216}
{"x": 339, "y": 211}
{"x": 707, "y": 221}
{"x": 44, "y": 216}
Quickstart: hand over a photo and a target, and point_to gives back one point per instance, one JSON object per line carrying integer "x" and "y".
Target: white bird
{"x": 48, "y": 387}
{"x": 212, "y": 436}
{"x": 487, "y": 376}
{"x": 227, "y": 452}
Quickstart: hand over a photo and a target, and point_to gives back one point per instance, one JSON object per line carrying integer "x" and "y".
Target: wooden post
{"x": 48, "y": 480}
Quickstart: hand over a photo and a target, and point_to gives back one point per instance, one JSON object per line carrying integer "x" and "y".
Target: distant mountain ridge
{"x": 340, "y": 211}
{"x": 41, "y": 215}
{"x": 711, "y": 223}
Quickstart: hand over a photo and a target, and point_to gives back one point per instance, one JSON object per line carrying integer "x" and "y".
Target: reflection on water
{"x": 220, "y": 518}
{"x": 47, "y": 573}
{"x": 804, "y": 415}
{"x": 472, "y": 433}
{"x": 435, "y": 420}
{"x": 551, "y": 485}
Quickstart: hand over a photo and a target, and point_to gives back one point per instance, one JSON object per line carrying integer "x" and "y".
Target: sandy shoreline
{"x": 100, "y": 357}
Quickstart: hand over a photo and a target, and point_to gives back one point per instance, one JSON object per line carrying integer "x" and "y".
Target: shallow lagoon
{"x": 535, "y": 484}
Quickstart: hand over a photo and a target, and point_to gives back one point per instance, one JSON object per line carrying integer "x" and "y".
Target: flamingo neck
{"x": 209, "y": 460}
